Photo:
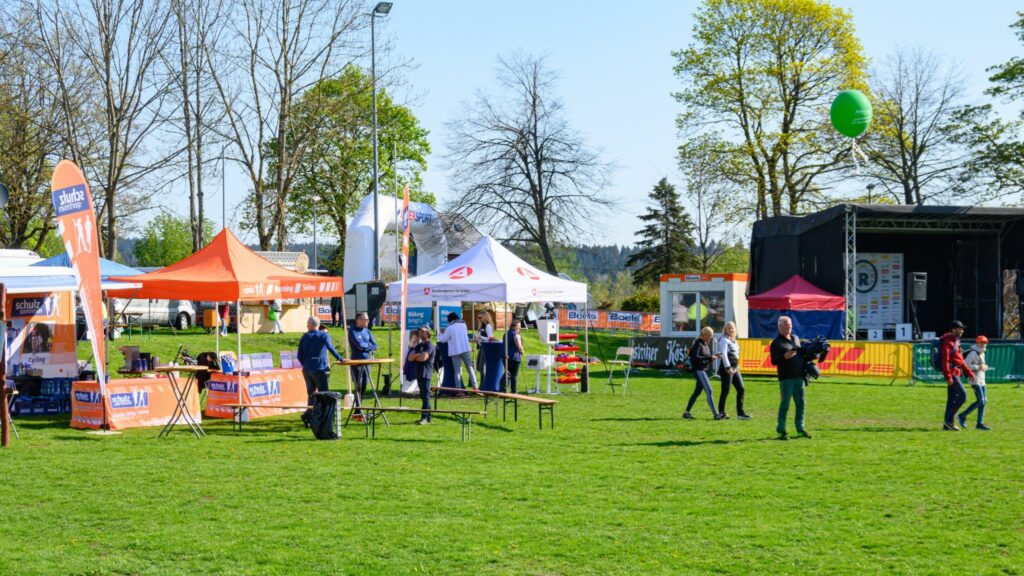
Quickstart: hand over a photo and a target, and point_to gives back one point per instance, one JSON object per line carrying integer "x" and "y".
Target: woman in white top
{"x": 729, "y": 370}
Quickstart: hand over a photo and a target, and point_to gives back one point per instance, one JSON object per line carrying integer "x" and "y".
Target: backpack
{"x": 936, "y": 355}
{"x": 323, "y": 417}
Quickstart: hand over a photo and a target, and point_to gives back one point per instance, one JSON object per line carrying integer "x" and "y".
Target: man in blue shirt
{"x": 362, "y": 346}
{"x": 313, "y": 348}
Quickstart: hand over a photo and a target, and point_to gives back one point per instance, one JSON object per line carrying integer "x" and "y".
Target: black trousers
{"x": 513, "y": 374}
{"x": 730, "y": 380}
{"x": 424, "y": 386}
{"x": 316, "y": 381}
{"x": 703, "y": 387}
{"x": 360, "y": 379}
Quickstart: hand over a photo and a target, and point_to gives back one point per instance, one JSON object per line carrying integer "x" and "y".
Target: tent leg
{"x": 586, "y": 343}
{"x": 238, "y": 340}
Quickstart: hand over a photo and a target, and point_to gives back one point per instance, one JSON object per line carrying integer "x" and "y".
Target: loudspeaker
{"x": 919, "y": 286}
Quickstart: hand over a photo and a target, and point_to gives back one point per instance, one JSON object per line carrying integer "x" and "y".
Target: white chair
{"x": 624, "y": 359}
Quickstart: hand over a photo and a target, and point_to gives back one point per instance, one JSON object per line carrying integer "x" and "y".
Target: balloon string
{"x": 856, "y": 151}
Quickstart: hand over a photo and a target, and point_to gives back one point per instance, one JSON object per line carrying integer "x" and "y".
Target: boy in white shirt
{"x": 976, "y": 362}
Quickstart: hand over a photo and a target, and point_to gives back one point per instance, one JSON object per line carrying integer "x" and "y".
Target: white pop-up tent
{"x": 489, "y": 272}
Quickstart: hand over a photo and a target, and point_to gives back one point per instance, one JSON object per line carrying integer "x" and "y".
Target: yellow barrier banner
{"x": 845, "y": 358}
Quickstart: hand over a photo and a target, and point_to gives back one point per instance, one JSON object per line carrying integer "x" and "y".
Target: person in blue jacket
{"x": 313, "y": 348}
{"x": 361, "y": 346}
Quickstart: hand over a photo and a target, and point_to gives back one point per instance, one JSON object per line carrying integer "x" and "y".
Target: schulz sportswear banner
{"x": 128, "y": 403}
{"x": 76, "y": 221}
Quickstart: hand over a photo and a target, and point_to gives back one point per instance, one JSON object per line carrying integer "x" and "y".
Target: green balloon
{"x": 851, "y": 113}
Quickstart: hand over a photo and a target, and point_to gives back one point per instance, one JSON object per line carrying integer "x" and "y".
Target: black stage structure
{"x": 963, "y": 250}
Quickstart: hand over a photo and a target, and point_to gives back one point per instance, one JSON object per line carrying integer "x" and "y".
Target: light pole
{"x": 870, "y": 188}
{"x": 381, "y": 9}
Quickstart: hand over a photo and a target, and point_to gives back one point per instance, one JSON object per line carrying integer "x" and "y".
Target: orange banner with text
{"x": 888, "y": 359}
{"x": 267, "y": 388}
{"x": 130, "y": 403}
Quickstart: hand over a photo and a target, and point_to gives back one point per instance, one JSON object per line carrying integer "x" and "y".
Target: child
{"x": 976, "y": 361}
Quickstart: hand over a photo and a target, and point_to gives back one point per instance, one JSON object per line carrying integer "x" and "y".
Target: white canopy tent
{"x": 489, "y": 272}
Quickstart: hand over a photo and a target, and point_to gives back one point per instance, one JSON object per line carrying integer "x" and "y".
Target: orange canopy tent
{"x": 228, "y": 271}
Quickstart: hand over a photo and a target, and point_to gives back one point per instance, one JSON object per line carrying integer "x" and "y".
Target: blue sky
{"x": 615, "y": 65}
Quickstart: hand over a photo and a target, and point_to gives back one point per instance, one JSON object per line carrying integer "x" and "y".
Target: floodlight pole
{"x": 381, "y": 8}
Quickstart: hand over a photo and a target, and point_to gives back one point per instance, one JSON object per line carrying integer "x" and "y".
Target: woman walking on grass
{"x": 700, "y": 360}
{"x": 729, "y": 371}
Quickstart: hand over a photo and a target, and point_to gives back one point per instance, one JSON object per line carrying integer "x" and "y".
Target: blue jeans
{"x": 981, "y": 398}
{"x": 955, "y": 398}
{"x": 424, "y": 386}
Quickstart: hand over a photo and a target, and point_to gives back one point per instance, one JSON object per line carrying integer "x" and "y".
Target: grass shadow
{"x": 888, "y": 429}
{"x": 687, "y": 443}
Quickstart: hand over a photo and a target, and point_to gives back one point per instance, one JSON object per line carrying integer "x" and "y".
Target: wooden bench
{"x": 506, "y": 398}
{"x": 463, "y": 417}
{"x": 238, "y": 409}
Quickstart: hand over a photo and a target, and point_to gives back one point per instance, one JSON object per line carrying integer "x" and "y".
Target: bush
{"x": 642, "y": 301}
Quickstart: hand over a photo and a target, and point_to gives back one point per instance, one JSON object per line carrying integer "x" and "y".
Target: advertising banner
{"x": 879, "y": 290}
{"x": 659, "y": 352}
{"x": 1005, "y": 362}
{"x": 610, "y": 320}
{"x": 268, "y": 388}
{"x": 443, "y": 310}
{"x": 76, "y": 221}
{"x": 416, "y": 316}
{"x": 845, "y": 358}
{"x": 41, "y": 333}
{"x": 130, "y": 403}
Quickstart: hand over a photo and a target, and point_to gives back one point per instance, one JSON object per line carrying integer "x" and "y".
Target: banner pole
{"x": 238, "y": 340}
{"x": 5, "y": 415}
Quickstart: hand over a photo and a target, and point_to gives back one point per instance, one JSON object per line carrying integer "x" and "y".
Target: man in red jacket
{"x": 953, "y": 364}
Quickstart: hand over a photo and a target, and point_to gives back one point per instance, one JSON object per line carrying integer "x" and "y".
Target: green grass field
{"x": 620, "y": 486}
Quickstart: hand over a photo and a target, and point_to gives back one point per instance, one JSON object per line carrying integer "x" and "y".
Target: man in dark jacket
{"x": 953, "y": 365}
{"x": 313, "y": 348}
{"x": 362, "y": 346}
{"x": 785, "y": 353}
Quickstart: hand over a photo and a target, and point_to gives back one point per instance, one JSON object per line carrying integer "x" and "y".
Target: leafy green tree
{"x": 336, "y": 169}
{"x": 764, "y": 72}
{"x": 167, "y": 239}
{"x": 667, "y": 245}
{"x": 997, "y": 143}
{"x": 733, "y": 259}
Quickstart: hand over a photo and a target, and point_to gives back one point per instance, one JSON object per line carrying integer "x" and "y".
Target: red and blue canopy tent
{"x": 814, "y": 311}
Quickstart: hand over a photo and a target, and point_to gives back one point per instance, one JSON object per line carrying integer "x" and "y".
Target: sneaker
{"x": 422, "y": 422}
{"x": 687, "y": 416}
{"x": 982, "y": 427}
{"x": 359, "y": 418}
{"x": 783, "y": 436}
{"x": 744, "y": 417}
{"x": 950, "y": 427}
{"x": 722, "y": 416}
{"x": 963, "y": 420}
{"x": 804, "y": 434}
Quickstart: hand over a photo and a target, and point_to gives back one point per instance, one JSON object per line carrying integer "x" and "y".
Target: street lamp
{"x": 870, "y": 188}
{"x": 381, "y": 9}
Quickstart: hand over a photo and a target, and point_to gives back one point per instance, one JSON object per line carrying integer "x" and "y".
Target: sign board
{"x": 874, "y": 334}
{"x": 443, "y": 310}
{"x": 418, "y": 316}
{"x": 41, "y": 333}
{"x": 904, "y": 332}
{"x": 879, "y": 290}
{"x": 659, "y": 352}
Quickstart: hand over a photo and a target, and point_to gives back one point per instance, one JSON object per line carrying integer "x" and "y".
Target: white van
{"x": 151, "y": 312}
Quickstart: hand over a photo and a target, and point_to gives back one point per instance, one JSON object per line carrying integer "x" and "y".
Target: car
{"x": 180, "y": 314}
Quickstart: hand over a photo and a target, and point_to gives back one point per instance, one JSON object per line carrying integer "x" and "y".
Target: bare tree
{"x": 716, "y": 201}
{"x": 912, "y": 146}
{"x": 519, "y": 168}
{"x": 119, "y": 43}
{"x": 28, "y": 132}
{"x": 278, "y": 49}
{"x": 198, "y": 25}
